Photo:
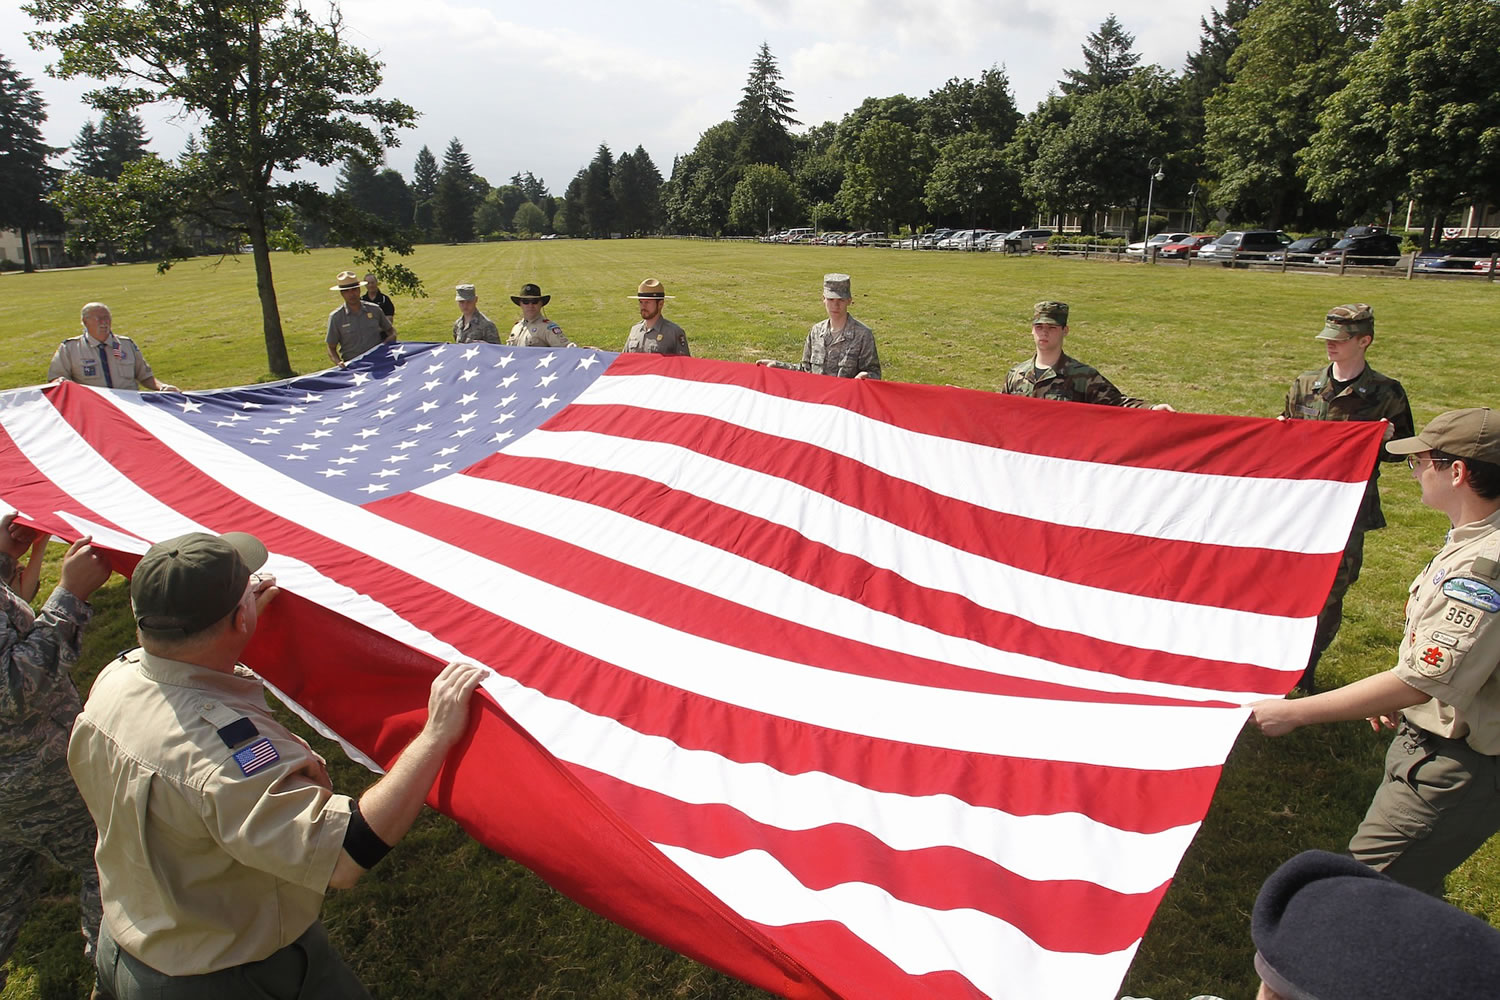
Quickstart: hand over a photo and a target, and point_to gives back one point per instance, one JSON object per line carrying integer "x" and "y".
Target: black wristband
{"x": 362, "y": 843}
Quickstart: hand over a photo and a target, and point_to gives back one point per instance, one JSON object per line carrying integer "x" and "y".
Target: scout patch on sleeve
{"x": 256, "y": 757}
{"x": 1460, "y": 617}
{"x": 1432, "y": 661}
{"x": 1475, "y": 593}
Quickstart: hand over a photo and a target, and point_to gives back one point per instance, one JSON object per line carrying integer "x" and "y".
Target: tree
{"x": 636, "y": 188}
{"x": 104, "y": 150}
{"x": 696, "y": 199}
{"x": 764, "y": 114}
{"x": 598, "y": 202}
{"x": 763, "y": 189}
{"x": 456, "y": 199}
{"x": 424, "y": 182}
{"x": 492, "y": 217}
{"x": 972, "y": 181}
{"x": 1108, "y": 60}
{"x": 133, "y": 214}
{"x": 885, "y": 176}
{"x": 357, "y": 179}
{"x": 391, "y": 199}
{"x": 272, "y": 88}
{"x": 986, "y": 107}
{"x": 1289, "y": 63}
{"x": 530, "y": 219}
{"x": 1420, "y": 114}
{"x": 25, "y": 175}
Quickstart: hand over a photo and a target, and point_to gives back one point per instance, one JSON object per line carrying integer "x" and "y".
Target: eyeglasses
{"x": 1414, "y": 462}
{"x": 530, "y": 302}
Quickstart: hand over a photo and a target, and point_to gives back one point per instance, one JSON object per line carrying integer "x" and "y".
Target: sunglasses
{"x": 530, "y": 302}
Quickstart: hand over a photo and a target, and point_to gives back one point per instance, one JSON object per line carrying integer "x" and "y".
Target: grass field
{"x": 443, "y": 917}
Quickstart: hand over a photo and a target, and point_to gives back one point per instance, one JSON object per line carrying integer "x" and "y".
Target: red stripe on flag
{"x": 1074, "y": 916}
{"x": 1185, "y": 442}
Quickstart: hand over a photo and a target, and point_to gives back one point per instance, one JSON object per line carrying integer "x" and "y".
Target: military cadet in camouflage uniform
{"x": 839, "y": 345}
{"x": 42, "y": 817}
{"x": 473, "y": 326}
{"x": 533, "y": 329}
{"x": 1051, "y": 374}
{"x": 1348, "y": 389}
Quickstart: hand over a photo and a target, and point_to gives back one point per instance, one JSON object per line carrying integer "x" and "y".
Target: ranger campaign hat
{"x": 531, "y": 292}
{"x": 1472, "y": 433}
{"x": 1327, "y": 927}
{"x": 1050, "y": 312}
{"x": 465, "y": 293}
{"x": 345, "y": 281}
{"x": 651, "y": 289}
{"x": 836, "y": 286}
{"x": 185, "y": 584}
{"x": 1356, "y": 319}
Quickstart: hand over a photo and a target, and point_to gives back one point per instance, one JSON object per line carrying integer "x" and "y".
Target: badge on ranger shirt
{"x": 1475, "y": 593}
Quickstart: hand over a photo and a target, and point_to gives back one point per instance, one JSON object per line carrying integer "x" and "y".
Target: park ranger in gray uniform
{"x": 100, "y": 357}
{"x": 654, "y": 334}
{"x": 42, "y": 817}
{"x": 356, "y": 326}
{"x": 473, "y": 326}
{"x": 839, "y": 345}
{"x": 533, "y": 329}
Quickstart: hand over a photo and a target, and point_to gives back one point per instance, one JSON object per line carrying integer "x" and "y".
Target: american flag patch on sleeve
{"x": 256, "y": 757}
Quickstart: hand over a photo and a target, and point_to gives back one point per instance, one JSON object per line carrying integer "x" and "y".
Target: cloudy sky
{"x": 537, "y": 86}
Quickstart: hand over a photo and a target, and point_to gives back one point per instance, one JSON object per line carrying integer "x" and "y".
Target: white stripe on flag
{"x": 1193, "y": 507}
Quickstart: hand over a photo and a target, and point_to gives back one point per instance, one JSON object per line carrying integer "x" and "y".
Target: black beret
{"x": 1326, "y": 927}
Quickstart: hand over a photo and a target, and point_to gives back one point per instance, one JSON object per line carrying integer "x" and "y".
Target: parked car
{"x": 1457, "y": 255}
{"x": 1159, "y": 240}
{"x": 1303, "y": 251}
{"x": 1189, "y": 247}
{"x": 1249, "y": 244}
{"x": 1363, "y": 251}
{"x": 869, "y": 239}
{"x": 1023, "y": 240}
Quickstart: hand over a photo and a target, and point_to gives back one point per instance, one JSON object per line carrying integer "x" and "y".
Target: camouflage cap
{"x": 1472, "y": 433}
{"x": 836, "y": 286}
{"x": 1343, "y": 322}
{"x": 1050, "y": 312}
{"x": 465, "y": 293}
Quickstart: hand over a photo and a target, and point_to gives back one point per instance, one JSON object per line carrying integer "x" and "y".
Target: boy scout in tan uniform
{"x": 219, "y": 832}
{"x": 1348, "y": 389}
{"x": 662, "y": 336}
{"x": 357, "y": 325}
{"x": 533, "y": 329}
{"x": 1441, "y": 796}
{"x": 100, "y": 357}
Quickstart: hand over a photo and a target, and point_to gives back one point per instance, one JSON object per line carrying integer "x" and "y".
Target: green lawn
{"x": 443, "y": 917}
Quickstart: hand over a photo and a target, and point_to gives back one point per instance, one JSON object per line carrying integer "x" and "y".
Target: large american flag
{"x": 847, "y": 688}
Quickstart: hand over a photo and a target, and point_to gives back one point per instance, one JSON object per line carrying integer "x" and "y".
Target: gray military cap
{"x": 836, "y": 286}
{"x": 466, "y": 293}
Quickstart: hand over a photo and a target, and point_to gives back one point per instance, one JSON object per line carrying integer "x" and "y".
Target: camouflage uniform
{"x": 475, "y": 329}
{"x": 42, "y": 816}
{"x": 1371, "y": 396}
{"x": 1069, "y": 380}
{"x": 845, "y": 353}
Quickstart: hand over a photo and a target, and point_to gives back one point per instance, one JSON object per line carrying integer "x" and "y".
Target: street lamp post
{"x": 1192, "y": 206}
{"x": 1156, "y": 174}
{"x": 768, "y": 219}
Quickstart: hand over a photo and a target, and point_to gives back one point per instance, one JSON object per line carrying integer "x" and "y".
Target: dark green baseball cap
{"x": 185, "y": 584}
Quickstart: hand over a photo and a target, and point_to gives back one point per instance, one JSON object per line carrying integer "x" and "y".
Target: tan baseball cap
{"x": 1472, "y": 433}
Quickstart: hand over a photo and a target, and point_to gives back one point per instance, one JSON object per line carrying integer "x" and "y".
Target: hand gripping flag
{"x": 850, "y": 689}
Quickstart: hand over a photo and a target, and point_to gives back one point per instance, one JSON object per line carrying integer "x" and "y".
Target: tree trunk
{"x": 28, "y": 265}
{"x": 270, "y": 314}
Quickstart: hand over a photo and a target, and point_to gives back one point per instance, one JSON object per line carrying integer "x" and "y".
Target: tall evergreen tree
{"x": 598, "y": 203}
{"x": 1108, "y": 60}
{"x": 25, "y": 175}
{"x": 456, "y": 198}
{"x": 637, "y": 192}
{"x": 103, "y": 151}
{"x": 424, "y": 182}
{"x": 764, "y": 114}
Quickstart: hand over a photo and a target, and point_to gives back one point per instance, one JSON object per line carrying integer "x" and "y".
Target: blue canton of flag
{"x": 398, "y": 417}
{"x": 256, "y": 757}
